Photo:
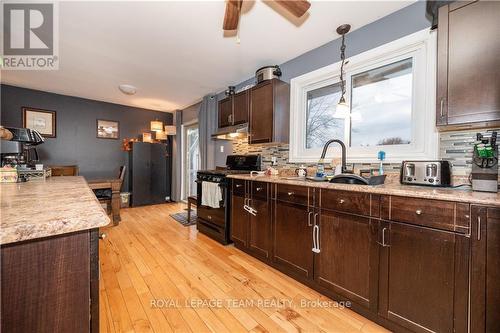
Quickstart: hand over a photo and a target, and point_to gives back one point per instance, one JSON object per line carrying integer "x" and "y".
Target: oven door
{"x": 212, "y": 215}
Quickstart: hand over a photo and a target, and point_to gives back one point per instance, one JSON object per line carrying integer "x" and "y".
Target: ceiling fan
{"x": 233, "y": 8}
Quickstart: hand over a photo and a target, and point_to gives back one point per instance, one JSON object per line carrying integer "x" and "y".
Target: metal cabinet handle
{"x": 341, "y": 201}
{"x": 309, "y": 223}
{"x": 314, "y": 238}
{"x": 230, "y": 118}
{"x": 442, "y": 106}
{"x": 479, "y": 228}
{"x": 318, "y": 247}
{"x": 209, "y": 217}
{"x": 238, "y": 185}
{"x": 418, "y": 212}
{"x": 290, "y": 193}
{"x": 102, "y": 236}
{"x": 384, "y": 244}
{"x": 259, "y": 189}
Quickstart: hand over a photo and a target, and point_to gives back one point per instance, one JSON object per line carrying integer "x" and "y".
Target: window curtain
{"x": 207, "y": 123}
{"x": 177, "y": 158}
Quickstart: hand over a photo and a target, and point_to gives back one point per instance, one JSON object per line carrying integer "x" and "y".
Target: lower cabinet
{"x": 485, "y": 270}
{"x": 239, "y": 221}
{"x": 347, "y": 261}
{"x": 259, "y": 234}
{"x": 51, "y": 284}
{"x": 418, "y": 272}
{"x": 424, "y": 278}
{"x": 292, "y": 238}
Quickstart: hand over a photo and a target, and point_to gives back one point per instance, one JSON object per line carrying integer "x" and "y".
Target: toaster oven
{"x": 431, "y": 173}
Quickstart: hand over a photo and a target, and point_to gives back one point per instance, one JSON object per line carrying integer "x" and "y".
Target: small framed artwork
{"x": 43, "y": 121}
{"x": 108, "y": 129}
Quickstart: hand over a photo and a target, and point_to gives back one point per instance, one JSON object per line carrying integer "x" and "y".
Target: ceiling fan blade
{"x": 232, "y": 15}
{"x": 296, "y": 7}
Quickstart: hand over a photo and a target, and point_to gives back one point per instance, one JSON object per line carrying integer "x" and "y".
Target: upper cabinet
{"x": 225, "y": 112}
{"x": 240, "y": 107}
{"x": 269, "y": 112}
{"x": 266, "y": 109}
{"x": 468, "y": 76}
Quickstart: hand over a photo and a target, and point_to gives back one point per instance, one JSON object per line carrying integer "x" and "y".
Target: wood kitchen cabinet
{"x": 468, "y": 65}
{"x": 292, "y": 236}
{"x": 485, "y": 270}
{"x": 233, "y": 110}
{"x": 259, "y": 233}
{"x": 423, "y": 278}
{"x": 51, "y": 284}
{"x": 269, "y": 112}
{"x": 240, "y": 107}
{"x": 239, "y": 216}
{"x": 225, "y": 112}
{"x": 251, "y": 232}
{"x": 347, "y": 263}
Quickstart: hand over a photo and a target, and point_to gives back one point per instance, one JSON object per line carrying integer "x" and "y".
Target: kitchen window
{"x": 391, "y": 93}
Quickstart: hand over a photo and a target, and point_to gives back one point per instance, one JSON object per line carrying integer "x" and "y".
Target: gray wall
{"x": 76, "y": 141}
{"x": 396, "y": 25}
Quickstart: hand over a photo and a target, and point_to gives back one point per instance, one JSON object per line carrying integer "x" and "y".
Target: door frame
{"x": 184, "y": 128}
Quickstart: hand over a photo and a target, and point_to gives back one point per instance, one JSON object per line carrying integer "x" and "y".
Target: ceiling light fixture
{"x": 127, "y": 89}
{"x": 343, "y": 108}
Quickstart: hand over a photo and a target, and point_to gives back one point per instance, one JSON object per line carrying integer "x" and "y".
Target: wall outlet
{"x": 274, "y": 161}
{"x": 221, "y": 148}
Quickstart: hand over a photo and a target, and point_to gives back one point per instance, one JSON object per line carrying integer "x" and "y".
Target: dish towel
{"x": 211, "y": 194}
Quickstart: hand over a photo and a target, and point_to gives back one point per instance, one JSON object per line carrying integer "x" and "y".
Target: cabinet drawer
{"x": 238, "y": 187}
{"x": 445, "y": 215}
{"x": 294, "y": 194}
{"x": 260, "y": 190}
{"x": 212, "y": 215}
{"x": 348, "y": 202}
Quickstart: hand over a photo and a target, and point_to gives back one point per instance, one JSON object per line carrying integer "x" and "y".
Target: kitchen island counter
{"x": 44, "y": 208}
{"x": 448, "y": 194}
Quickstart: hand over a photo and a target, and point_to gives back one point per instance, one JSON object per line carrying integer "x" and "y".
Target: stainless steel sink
{"x": 347, "y": 178}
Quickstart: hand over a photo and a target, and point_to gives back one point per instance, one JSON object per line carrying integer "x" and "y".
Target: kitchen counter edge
{"x": 424, "y": 192}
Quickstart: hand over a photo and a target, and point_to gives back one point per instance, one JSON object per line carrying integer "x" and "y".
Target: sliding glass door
{"x": 191, "y": 151}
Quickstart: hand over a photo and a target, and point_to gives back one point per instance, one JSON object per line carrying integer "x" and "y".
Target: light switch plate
{"x": 221, "y": 148}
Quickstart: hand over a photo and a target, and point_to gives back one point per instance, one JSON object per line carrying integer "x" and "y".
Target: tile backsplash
{"x": 455, "y": 147}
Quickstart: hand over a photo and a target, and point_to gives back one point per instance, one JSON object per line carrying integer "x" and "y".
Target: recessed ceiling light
{"x": 127, "y": 89}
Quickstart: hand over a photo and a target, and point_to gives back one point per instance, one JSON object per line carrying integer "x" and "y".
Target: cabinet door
{"x": 292, "y": 241}
{"x": 225, "y": 112}
{"x": 259, "y": 238}
{"x": 424, "y": 278}
{"x": 261, "y": 113}
{"x": 485, "y": 272}
{"x": 239, "y": 221}
{"x": 469, "y": 63}
{"x": 348, "y": 261}
{"x": 240, "y": 107}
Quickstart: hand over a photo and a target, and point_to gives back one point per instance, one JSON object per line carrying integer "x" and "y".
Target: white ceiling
{"x": 175, "y": 52}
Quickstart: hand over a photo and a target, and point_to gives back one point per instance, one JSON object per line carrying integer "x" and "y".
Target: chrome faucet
{"x": 342, "y": 146}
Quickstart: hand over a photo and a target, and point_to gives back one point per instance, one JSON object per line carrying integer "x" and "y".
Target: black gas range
{"x": 215, "y": 222}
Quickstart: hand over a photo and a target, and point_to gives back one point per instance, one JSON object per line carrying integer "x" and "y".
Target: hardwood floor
{"x": 159, "y": 276}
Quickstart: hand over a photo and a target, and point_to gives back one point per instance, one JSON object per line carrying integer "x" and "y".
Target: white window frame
{"x": 421, "y": 46}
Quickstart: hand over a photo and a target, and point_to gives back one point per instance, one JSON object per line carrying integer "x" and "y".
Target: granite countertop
{"x": 44, "y": 208}
{"x": 448, "y": 194}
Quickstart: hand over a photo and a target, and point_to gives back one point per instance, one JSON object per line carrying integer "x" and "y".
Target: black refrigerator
{"x": 150, "y": 173}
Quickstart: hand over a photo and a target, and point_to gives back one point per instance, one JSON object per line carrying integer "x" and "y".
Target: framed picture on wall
{"x": 43, "y": 121}
{"x": 108, "y": 129}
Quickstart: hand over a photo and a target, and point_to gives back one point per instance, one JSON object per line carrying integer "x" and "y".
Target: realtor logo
{"x": 29, "y": 36}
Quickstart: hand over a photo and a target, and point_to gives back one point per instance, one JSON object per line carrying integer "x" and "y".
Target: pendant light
{"x": 156, "y": 125}
{"x": 343, "y": 110}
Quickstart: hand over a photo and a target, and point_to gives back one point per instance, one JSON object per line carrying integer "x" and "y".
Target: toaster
{"x": 431, "y": 173}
